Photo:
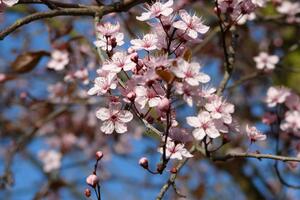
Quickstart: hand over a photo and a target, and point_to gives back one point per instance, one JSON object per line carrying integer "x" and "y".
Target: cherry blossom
{"x": 220, "y": 109}
{"x": 293, "y": 101}
{"x": 189, "y": 72}
{"x": 114, "y": 119}
{"x": 59, "y": 60}
{"x": 175, "y": 151}
{"x": 146, "y": 95}
{"x": 192, "y": 25}
{"x": 276, "y": 95}
{"x": 204, "y": 125}
{"x": 119, "y": 61}
{"x": 156, "y": 10}
{"x": 107, "y": 29}
{"x": 8, "y": 3}
{"x": 254, "y": 134}
{"x": 51, "y": 160}
{"x": 103, "y": 84}
{"x": 291, "y": 9}
{"x": 148, "y": 42}
{"x": 108, "y": 43}
{"x": 291, "y": 121}
{"x": 266, "y": 61}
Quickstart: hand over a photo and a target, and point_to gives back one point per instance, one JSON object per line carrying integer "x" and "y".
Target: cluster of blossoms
{"x": 239, "y": 10}
{"x": 154, "y": 72}
{"x": 290, "y": 103}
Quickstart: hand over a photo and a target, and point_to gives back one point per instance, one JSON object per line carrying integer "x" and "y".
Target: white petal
{"x": 199, "y": 134}
{"x": 125, "y": 116}
{"x": 212, "y": 132}
{"x": 120, "y": 127}
{"x": 107, "y": 127}
{"x": 193, "y": 121}
{"x": 145, "y": 16}
{"x": 180, "y": 25}
{"x": 103, "y": 114}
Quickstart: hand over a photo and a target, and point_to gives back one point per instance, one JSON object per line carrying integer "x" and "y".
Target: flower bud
{"x": 164, "y": 105}
{"x": 143, "y": 162}
{"x": 99, "y": 155}
{"x": 131, "y": 96}
{"x": 92, "y": 180}
{"x": 87, "y": 192}
{"x": 113, "y": 42}
{"x": 150, "y": 119}
{"x": 134, "y": 57}
{"x": 173, "y": 170}
{"x": 3, "y": 78}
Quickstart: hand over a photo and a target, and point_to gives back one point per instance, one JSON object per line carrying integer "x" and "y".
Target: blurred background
{"x": 49, "y": 133}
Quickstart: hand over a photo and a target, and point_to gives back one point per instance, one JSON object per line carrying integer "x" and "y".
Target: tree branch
{"x": 255, "y": 155}
{"x": 86, "y": 11}
{"x": 171, "y": 180}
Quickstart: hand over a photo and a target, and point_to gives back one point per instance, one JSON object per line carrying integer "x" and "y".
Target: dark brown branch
{"x": 171, "y": 180}
{"x": 86, "y": 11}
{"x": 56, "y": 3}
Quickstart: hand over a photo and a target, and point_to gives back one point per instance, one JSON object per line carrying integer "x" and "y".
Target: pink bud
{"x": 134, "y": 57}
{"x": 92, "y": 180}
{"x": 131, "y": 96}
{"x": 23, "y": 95}
{"x": 99, "y": 155}
{"x": 164, "y": 105}
{"x": 87, "y": 192}
{"x": 130, "y": 50}
{"x": 143, "y": 162}
{"x": 174, "y": 170}
{"x": 2, "y": 78}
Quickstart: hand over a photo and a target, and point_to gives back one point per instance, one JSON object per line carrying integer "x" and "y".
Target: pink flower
{"x": 146, "y": 95}
{"x": 92, "y": 180}
{"x": 148, "y": 43}
{"x": 8, "y": 3}
{"x": 277, "y": 95}
{"x": 220, "y": 109}
{"x": 291, "y": 9}
{"x": 107, "y": 43}
{"x": 51, "y": 160}
{"x": 175, "y": 151}
{"x": 293, "y": 102}
{"x": 291, "y": 122}
{"x": 83, "y": 75}
{"x": 59, "y": 59}
{"x": 254, "y": 134}
{"x": 156, "y": 10}
{"x": 204, "y": 124}
{"x": 103, "y": 84}
{"x": 189, "y": 72}
{"x": 266, "y": 61}
{"x": 108, "y": 29}
{"x": 119, "y": 61}
{"x": 192, "y": 25}
{"x": 114, "y": 119}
